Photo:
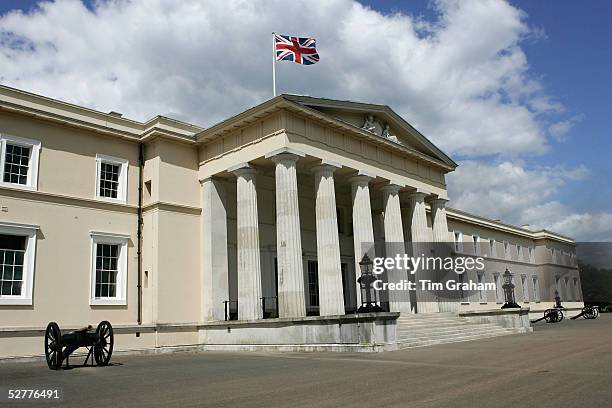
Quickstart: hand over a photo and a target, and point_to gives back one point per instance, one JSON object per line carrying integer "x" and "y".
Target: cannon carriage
{"x": 99, "y": 344}
{"x": 551, "y": 316}
{"x": 588, "y": 312}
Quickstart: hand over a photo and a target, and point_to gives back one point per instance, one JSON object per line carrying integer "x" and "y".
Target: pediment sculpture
{"x": 373, "y": 126}
{"x": 369, "y": 124}
{"x": 386, "y": 133}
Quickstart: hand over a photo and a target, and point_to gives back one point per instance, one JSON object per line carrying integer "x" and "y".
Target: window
{"x": 17, "y": 249}
{"x": 531, "y": 258}
{"x": 111, "y": 178}
{"x": 566, "y": 289}
{"x": 19, "y": 162}
{"x": 492, "y": 249}
{"x": 536, "y": 289}
{"x": 525, "y": 288}
{"x": 499, "y": 298}
{"x": 506, "y": 249}
{"x": 458, "y": 241}
{"x": 553, "y": 255}
{"x": 313, "y": 283}
{"x": 346, "y": 281}
{"x": 476, "y": 242}
{"x": 109, "y": 269}
{"x": 461, "y": 280}
{"x": 519, "y": 252}
{"x": 482, "y": 295}
{"x": 575, "y": 289}
{"x": 557, "y": 286}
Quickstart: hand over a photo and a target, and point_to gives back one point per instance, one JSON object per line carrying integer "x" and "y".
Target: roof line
{"x": 456, "y": 213}
{"x": 327, "y": 102}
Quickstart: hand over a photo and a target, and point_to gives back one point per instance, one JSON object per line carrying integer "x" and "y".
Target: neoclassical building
{"x": 247, "y": 234}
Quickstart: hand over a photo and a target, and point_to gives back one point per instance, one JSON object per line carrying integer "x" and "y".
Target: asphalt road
{"x": 560, "y": 365}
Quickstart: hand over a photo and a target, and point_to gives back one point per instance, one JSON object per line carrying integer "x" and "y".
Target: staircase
{"x": 426, "y": 329}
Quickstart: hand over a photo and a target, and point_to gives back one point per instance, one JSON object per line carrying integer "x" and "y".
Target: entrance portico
{"x": 309, "y": 197}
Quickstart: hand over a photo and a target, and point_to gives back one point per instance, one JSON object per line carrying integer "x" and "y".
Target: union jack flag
{"x": 300, "y": 50}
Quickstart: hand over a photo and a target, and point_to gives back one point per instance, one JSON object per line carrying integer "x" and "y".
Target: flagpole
{"x": 273, "y": 64}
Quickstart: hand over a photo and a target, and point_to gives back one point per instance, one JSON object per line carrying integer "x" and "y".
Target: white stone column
{"x": 363, "y": 231}
{"x": 442, "y": 239}
{"x": 426, "y": 301}
{"x": 439, "y": 223}
{"x": 248, "y": 262}
{"x": 331, "y": 299}
{"x": 399, "y": 301}
{"x": 214, "y": 261}
{"x": 291, "y": 302}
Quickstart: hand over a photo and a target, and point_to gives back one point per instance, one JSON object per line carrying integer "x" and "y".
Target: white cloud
{"x": 515, "y": 193}
{"x": 559, "y": 130}
{"x": 462, "y": 79}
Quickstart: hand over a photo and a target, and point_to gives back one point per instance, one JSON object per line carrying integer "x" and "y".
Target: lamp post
{"x": 366, "y": 285}
{"x": 558, "y": 304}
{"x": 508, "y": 287}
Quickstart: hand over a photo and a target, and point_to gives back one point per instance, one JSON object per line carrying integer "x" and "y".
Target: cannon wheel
{"x": 103, "y": 349}
{"x": 53, "y": 346}
{"x": 550, "y": 316}
{"x": 590, "y": 312}
{"x": 559, "y": 316}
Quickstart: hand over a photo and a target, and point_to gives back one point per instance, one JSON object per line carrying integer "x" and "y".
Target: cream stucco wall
{"x": 65, "y": 211}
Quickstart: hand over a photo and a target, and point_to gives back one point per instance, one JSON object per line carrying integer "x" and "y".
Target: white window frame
{"x": 506, "y": 250}
{"x": 123, "y": 178}
{"x": 34, "y": 146}
{"x": 461, "y": 278}
{"x": 525, "y": 288}
{"x": 499, "y": 295}
{"x": 458, "y": 237}
{"x": 122, "y": 266}
{"x": 476, "y": 242}
{"x": 492, "y": 247}
{"x": 482, "y": 295}
{"x": 28, "y": 231}
{"x": 536, "y": 288}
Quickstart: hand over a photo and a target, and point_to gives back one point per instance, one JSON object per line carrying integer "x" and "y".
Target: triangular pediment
{"x": 380, "y": 120}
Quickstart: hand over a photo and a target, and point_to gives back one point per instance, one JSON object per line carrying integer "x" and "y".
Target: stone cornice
{"x": 24, "y": 103}
{"x": 501, "y": 226}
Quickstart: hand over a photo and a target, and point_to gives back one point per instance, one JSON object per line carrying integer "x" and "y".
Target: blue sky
{"x": 517, "y": 151}
{"x": 574, "y": 62}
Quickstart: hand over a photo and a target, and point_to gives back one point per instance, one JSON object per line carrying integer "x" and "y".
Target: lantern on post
{"x": 366, "y": 285}
{"x": 558, "y": 304}
{"x": 508, "y": 287}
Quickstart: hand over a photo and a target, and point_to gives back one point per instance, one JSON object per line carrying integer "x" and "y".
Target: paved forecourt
{"x": 559, "y": 365}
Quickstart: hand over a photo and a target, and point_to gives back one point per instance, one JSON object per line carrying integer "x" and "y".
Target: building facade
{"x": 246, "y": 233}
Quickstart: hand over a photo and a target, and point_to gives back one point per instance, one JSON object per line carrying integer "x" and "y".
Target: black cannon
{"x": 588, "y": 312}
{"x": 99, "y": 344}
{"x": 551, "y": 316}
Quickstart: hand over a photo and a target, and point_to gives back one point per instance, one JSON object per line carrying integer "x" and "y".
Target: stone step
{"x": 455, "y": 339}
{"x": 450, "y": 329}
{"x": 421, "y": 316}
{"x": 447, "y": 335}
{"x": 433, "y": 324}
{"x": 435, "y": 332}
{"x": 425, "y": 321}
